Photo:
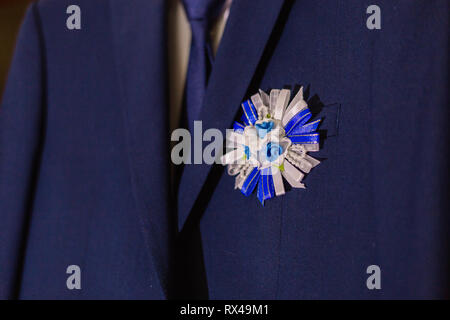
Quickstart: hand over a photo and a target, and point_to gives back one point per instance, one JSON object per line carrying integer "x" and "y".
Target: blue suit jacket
{"x": 84, "y": 156}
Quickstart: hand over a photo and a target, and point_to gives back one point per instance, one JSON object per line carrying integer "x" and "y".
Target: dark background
{"x": 11, "y": 14}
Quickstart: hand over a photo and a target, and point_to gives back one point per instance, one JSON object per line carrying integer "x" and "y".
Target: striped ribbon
{"x": 238, "y": 127}
{"x": 266, "y": 188}
{"x": 307, "y": 128}
{"x": 298, "y": 120}
{"x": 250, "y": 182}
{"x": 250, "y": 112}
{"x": 308, "y": 138}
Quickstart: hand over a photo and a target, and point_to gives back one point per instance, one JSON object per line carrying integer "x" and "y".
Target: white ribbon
{"x": 282, "y": 102}
{"x": 297, "y": 104}
{"x": 292, "y": 182}
{"x": 258, "y": 103}
{"x": 239, "y": 182}
{"x": 277, "y": 182}
{"x": 237, "y": 138}
{"x": 302, "y": 161}
{"x": 273, "y": 100}
{"x": 314, "y": 162}
{"x": 264, "y": 97}
{"x": 240, "y": 179}
{"x": 234, "y": 169}
{"x": 292, "y": 171}
{"x": 235, "y": 156}
{"x": 292, "y": 175}
{"x": 303, "y": 165}
{"x": 312, "y": 147}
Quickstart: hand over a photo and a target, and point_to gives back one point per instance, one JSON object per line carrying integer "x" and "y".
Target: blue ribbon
{"x": 266, "y": 189}
{"x": 250, "y": 111}
{"x": 250, "y": 183}
{"x": 307, "y": 138}
{"x": 307, "y": 128}
{"x": 245, "y": 120}
{"x": 298, "y": 120}
{"x": 238, "y": 127}
{"x": 260, "y": 193}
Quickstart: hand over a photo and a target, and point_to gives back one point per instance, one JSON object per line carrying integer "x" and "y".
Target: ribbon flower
{"x": 272, "y": 142}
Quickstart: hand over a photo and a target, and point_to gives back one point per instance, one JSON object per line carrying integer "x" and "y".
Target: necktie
{"x": 200, "y": 13}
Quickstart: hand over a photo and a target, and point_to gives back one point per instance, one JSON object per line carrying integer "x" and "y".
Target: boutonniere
{"x": 272, "y": 142}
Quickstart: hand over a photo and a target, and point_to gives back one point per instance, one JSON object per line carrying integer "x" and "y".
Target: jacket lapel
{"x": 139, "y": 40}
{"x": 247, "y": 31}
